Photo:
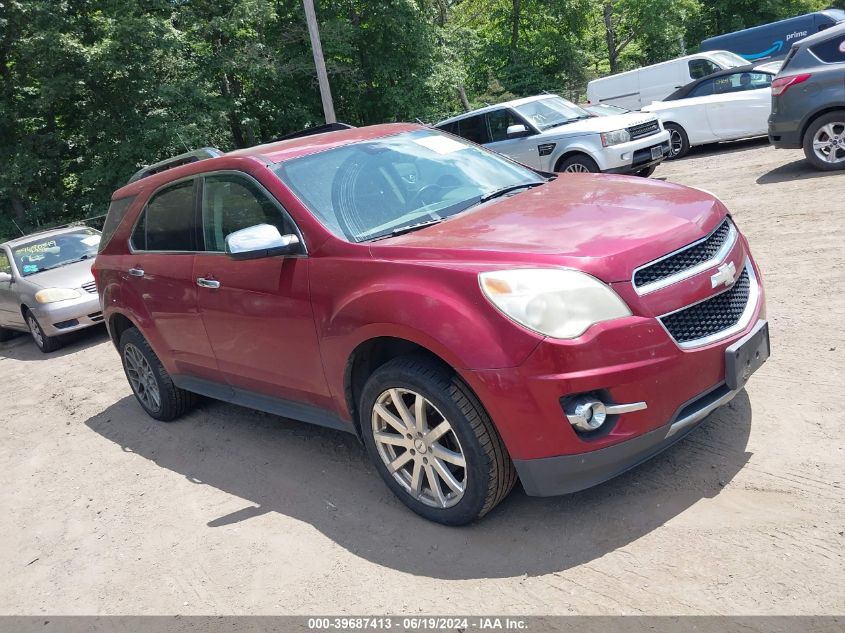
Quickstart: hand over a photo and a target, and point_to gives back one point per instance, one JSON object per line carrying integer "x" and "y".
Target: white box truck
{"x": 640, "y": 87}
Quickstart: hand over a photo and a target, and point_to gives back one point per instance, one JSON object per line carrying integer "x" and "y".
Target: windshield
{"x": 55, "y": 251}
{"x": 726, "y": 59}
{"x": 551, "y": 112}
{"x": 375, "y": 188}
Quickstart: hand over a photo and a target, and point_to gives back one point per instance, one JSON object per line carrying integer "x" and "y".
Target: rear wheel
{"x": 578, "y": 164}
{"x": 824, "y": 142}
{"x": 433, "y": 443}
{"x": 45, "y": 343}
{"x": 678, "y": 141}
{"x": 150, "y": 382}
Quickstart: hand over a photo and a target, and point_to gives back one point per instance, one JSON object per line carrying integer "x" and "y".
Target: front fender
{"x": 439, "y": 308}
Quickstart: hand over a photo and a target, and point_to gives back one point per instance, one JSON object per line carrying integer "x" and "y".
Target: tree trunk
{"x": 462, "y": 93}
{"x": 610, "y": 33}
{"x": 515, "y": 27}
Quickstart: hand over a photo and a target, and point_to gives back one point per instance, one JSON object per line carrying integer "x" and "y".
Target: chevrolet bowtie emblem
{"x": 726, "y": 274}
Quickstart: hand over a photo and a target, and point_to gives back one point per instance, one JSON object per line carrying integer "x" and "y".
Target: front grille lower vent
{"x": 711, "y": 316}
{"x": 90, "y": 286}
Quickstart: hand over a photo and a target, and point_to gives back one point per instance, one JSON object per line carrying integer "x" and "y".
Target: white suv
{"x": 549, "y": 133}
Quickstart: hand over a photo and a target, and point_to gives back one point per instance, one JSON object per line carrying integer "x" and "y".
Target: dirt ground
{"x": 230, "y": 511}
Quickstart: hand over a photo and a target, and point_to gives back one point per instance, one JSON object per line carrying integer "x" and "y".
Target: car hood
{"x": 70, "y": 276}
{"x": 597, "y": 125}
{"x": 601, "y": 224}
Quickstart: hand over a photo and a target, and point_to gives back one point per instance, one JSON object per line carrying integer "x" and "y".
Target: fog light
{"x": 587, "y": 413}
{"x": 626, "y": 156}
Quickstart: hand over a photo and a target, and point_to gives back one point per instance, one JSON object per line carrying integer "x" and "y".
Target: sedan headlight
{"x": 51, "y": 295}
{"x": 615, "y": 138}
{"x": 555, "y": 302}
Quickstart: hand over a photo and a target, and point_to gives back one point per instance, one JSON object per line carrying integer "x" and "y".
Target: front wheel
{"x": 824, "y": 142}
{"x": 645, "y": 173}
{"x": 678, "y": 141}
{"x": 45, "y": 343}
{"x": 578, "y": 164}
{"x": 150, "y": 382}
{"x": 433, "y": 443}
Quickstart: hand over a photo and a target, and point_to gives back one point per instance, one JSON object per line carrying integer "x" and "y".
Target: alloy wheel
{"x": 676, "y": 142}
{"x": 419, "y": 447}
{"x": 576, "y": 168}
{"x": 35, "y": 329}
{"x": 829, "y": 142}
{"x": 141, "y": 377}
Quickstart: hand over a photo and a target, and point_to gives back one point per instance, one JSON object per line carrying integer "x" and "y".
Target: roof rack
{"x": 317, "y": 129}
{"x": 176, "y": 161}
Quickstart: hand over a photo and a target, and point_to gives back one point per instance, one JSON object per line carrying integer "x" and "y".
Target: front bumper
{"x": 63, "y": 317}
{"x": 570, "y": 473}
{"x": 635, "y": 156}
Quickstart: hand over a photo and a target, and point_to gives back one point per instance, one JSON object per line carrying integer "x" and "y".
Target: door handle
{"x": 207, "y": 283}
{"x": 136, "y": 272}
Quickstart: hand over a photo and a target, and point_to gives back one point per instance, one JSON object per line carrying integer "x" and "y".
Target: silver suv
{"x": 549, "y": 133}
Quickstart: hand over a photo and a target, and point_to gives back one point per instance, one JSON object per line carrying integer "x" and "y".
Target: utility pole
{"x": 319, "y": 62}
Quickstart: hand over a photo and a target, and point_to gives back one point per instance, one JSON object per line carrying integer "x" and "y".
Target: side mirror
{"x": 261, "y": 240}
{"x": 4, "y": 277}
{"x": 518, "y": 129}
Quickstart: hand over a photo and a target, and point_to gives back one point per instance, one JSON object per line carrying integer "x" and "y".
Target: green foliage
{"x": 90, "y": 90}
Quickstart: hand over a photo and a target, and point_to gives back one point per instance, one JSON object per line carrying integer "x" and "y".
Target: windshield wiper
{"x": 506, "y": 190}
{"x": 65, "y": 263}
{"x": 407, "y": 228}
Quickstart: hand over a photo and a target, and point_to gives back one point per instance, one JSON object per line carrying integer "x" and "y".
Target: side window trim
{"x": 264, "y": 191}
{"x": 143, "y": 213}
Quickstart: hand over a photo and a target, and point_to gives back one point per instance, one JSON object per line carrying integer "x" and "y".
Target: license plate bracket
{"x": 747, "y": 355}
{"x": 656, "y": 152}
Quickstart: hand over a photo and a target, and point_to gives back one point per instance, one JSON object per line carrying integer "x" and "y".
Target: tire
{"x": 487, "y": 474}
{"x": 824, "y": 142}
{"x": 578, "y": 163}
{"x": 678, "y": 141}
{"x": 645, "y": 173}
{"x": 43, "y": 342}
{"x": 151, "y": 384}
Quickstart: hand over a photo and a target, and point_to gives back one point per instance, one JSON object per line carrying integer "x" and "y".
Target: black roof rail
{"x": 176, "y": 161}
{"x": 317, "y": 129}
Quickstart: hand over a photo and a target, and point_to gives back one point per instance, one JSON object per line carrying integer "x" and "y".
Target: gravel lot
{"x": 232, "y": 511}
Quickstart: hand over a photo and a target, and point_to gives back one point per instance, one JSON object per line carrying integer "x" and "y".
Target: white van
{"x": 637, "y": 88}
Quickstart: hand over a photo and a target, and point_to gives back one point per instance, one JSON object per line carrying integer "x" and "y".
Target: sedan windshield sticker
{"x": 93, "y": 240}
{"x": 440, "y": 144}
{"x": 36, "y": 248}
{"x": 30, "y": 268}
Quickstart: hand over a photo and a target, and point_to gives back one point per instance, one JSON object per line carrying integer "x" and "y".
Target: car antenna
{"x": 187, "y": 149}
{"x": 18, "y": 228}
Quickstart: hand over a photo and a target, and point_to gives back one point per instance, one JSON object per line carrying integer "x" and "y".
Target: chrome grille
{"x": 711, "y": 316}
{"x": 90, "y": 286}
{"x": 642, "y": 130}
{"x": 689, "y": 257}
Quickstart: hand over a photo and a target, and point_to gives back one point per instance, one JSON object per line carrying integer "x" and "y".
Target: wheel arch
{"x": 817, "y": 115}
{"x": 371, "y": 354}
{"x": 117, "y": 324}
{"x": 569, "y": 152}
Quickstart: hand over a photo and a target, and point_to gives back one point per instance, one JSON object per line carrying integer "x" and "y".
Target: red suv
{"x": 473, "y": 321}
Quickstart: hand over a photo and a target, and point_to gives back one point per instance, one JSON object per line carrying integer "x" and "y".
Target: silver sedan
{"x": 46, "y": 285}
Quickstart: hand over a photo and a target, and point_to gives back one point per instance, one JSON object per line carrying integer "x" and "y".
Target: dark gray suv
{"x": 808, "y": 99}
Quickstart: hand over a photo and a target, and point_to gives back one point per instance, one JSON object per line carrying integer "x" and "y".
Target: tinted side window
{"x": 117, "y": 211}
{"x": 699, "y": 68}
{"x": 167, "y": 223}
{"x": 474, "y": 129}
{"x": 499, "y": 121}
{"x": 703, "y": 89}
{"x": 452, "y": 128}
{"x": 738, "y": 82}
{"x": 831, "y": 51}
{"x": 231, "y": 203}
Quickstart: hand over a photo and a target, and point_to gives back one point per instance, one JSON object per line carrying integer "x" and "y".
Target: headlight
{"x": 615, "y": 137}
{"x": 555, "y": 302}
{"x": 51, "y": 295}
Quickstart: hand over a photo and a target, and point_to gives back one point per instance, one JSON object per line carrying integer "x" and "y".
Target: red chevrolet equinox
{"x": 472, "y": 321}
